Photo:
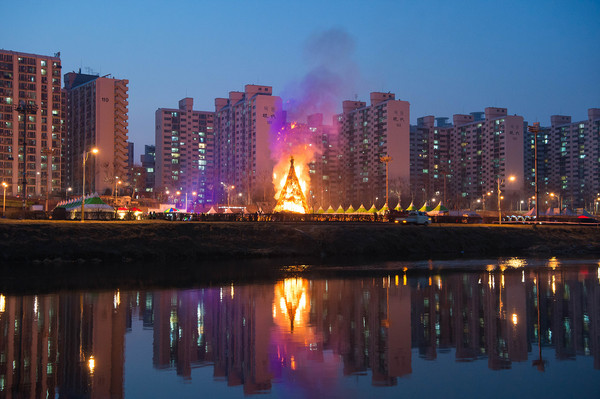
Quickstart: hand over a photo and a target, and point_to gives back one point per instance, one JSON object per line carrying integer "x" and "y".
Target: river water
{"x": 501, "y": 328}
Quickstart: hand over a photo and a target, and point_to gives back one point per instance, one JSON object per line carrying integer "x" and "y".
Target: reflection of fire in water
{"x": 291, "y": 294}
{"x": 291, "y": 198}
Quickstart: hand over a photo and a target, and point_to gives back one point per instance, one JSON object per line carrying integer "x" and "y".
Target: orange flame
{"x": 291, "y": 196}
{"x": 298, "y": 145}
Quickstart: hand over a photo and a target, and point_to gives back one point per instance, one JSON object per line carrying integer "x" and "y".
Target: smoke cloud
{"x": 332, "y": 76}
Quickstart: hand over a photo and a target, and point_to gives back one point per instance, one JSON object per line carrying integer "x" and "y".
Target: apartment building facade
{"x": 184, "y": 158}
{"x": 324, "y": 168}
{"x": 31, "y": 123}
{"x": 568, "y": 160}
{"x": 461, "y": 163}
{"x": 366, "y": 134}
{"x": 243, "y": 125}
{"x": 96, "y": 117}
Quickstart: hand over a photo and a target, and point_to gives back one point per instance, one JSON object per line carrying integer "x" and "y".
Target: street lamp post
{"x": 116, "y": 193}
{"x": 500, "y": 182}
{"x": 85, "y": 156}
{"x": 559, "y": 200}
{"x": 194, "y": 194}
{"x": 386, "y": 159}
{"x": 4, "y": 186}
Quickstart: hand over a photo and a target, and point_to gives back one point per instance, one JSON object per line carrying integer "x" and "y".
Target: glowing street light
{"x": 117, "y": 181}
{"x": 85, "y": 156}
{"x": 500, "y": 182}
{"x": 92, "y": 364}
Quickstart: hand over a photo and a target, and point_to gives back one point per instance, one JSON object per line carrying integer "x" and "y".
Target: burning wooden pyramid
{"x": 291, "y": 198}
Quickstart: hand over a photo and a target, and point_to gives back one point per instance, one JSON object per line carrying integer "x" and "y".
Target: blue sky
{"x": 536, "y": 58}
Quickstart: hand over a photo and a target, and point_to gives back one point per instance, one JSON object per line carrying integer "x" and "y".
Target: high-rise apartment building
{"x": 325, "y": 175}
{"x": 96, "y": 117}
{"x": 366, "y": 134}
{"x": 243, "y": 123}
{"x": 569, "y": 161}
{"x": 185, "y": 151}
{"x": 462, "y": 162}
{"x": 148, "y": 159}
{"x": 430, "y": 157}
{"x": 31, "y": 123}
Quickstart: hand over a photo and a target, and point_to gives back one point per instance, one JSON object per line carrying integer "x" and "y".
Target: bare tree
{"x": 398, "y": 186}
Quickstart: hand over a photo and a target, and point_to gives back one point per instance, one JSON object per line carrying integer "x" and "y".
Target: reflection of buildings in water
{"x": 228, "y": 326}
{"x": 246, "y": 332}
{"x": 92, "y": 343}
{"x": 84, "y": 332}
{"x": 28, "y": 346}
{"x": 505, "y": 319}
{"x": 494, "y": 314}
{"x": 372, "y": 324}
{"x": 364, "y": 324}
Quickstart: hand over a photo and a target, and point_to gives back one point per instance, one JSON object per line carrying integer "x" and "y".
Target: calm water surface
{"x": 513, "y": 328}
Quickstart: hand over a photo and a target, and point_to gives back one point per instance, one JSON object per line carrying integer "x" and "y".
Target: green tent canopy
{"x": 372, "y": 209}
{"x": 383, "y": 209}
{"x": 361, "y": 209}
{"x": 411, "y": 207}
{"x": 398, "y": 207}
{"x": 340, "y": 210}
{"x": 330, "y": 210}
{"x": 350, "y": 210}
{"x": 425, "y": 207}
{"x": 320, "y": 210}
{"x": 438, "y": 210}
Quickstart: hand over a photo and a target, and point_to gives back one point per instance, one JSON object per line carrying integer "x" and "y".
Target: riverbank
{"x": 165, "y": 242}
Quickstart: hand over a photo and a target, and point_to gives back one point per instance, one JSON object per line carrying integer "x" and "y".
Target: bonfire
{"x": 291, "y": 198}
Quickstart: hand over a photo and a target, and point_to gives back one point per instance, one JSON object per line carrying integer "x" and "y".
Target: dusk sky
{"x": 536, "y": 58}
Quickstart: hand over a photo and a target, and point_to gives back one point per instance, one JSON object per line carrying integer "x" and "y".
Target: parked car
{"x": 413, "y": 217}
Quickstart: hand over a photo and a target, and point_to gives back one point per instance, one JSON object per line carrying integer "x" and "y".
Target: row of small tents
{"x": 438, "y": 210}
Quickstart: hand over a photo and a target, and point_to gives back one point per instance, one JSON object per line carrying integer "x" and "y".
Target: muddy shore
{"x": 36, "y": 242}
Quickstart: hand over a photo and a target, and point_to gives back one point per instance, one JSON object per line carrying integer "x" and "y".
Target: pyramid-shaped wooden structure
{"x": 291, "y": 198}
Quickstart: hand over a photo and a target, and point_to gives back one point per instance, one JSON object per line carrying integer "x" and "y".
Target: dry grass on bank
{"x": 163, "y": 241}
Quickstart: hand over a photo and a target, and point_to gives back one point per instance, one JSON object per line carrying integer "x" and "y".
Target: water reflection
{"x": 299, "y": 331}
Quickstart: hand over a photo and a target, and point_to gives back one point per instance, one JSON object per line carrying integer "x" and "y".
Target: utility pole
{"x": 24, "y": 109}
{"x": 49, "y": 152}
